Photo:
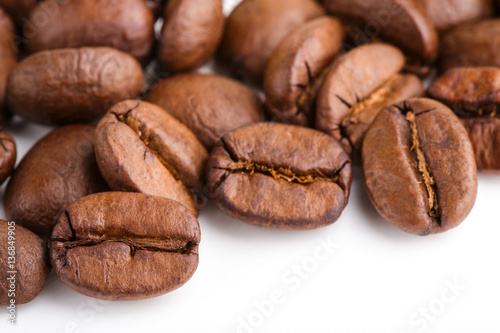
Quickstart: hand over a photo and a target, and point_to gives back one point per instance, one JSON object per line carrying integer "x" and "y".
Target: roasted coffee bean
{"x": 31, "y": 264}
{"x": 359, "y": 85}
{"x": 8, "y": 59}
{"x": 72, "y": 85}
{"x": 19, "y": 9}
{"x": 474, "y": 95}
{"x": 419, "y": 167}
{"x": 191, "y": 33}
{"x": 141, "y": 148}
{"x": 209, "y": 105}
{"x": 296, "y": 68}
{"x": 59, "y": 169}
{"x": 123, "y": 24}
{"x": 6, "y": 23}
{"x": 280, "y": 176}
{"x": 255, "y": 28}
{"x": 403, "y": 23}
{"x": 8, "y": 155}
{"x": 471, "y": 45}
{"x": 447, "y": 14}
{"x": 125, "y": 246}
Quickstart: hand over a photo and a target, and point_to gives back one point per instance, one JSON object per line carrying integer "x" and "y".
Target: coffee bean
{"x": 255, "y": 28}
{"x": 123, "y": 24}
{"x": 359, "y": 85}
{"x": 419, "y": 167}
{"x": 8, "y": 155}
{"x": 72, "y": 85}
{"x": 58, "y": 169}
{"x": 19, "y": 9}
{"x": 296, "y": 68}
{"x": 6, "y": 23}
{"x": 191, "y": 33}
{"x": 31, "y": 264}
{"x": 141, "y": 148}
{"x": 474, "y": 95}
{"x": 280, "y": 176}
{"x": 209, "y": 105}
{"x": 8, "y": 60}
{"x": 471, "y": 45}
{"x": 125, "y": 246}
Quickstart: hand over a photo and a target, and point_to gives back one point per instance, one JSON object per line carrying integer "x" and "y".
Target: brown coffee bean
{"x": 419, "y": 167}
{"x": 209, "y": 105}
{"x": 359, "y": 85}
{"x": 191, "y": 33}
{"x": 59, "y": 169}
{"x": 123, "y": 24}
{"x": 125, "y": 246}
{"x": 280, "y": 176}
{"x": 403, "y": 23}
{"x": 8, "y": 59}
{"x": 471, "y": 45}
{"x": 296, "y": 68}
{"x": 141, "y": 148}
{"x": 72, "y": 85}
{"x": 6, "y": 22}
{"x": 31, "y": 265}
{"x": 8, "y": 155}
{"x": 255, "y": 28}
{"x": 19, "y": 9}
{"x": 447, "y": 14}
{"x": 474, "y": 95}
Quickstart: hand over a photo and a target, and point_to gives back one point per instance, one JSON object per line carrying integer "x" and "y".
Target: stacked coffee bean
{"x": 117, "y": 189}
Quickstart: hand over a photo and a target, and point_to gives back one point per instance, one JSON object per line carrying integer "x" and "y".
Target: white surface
{"x": 376, "y": 279}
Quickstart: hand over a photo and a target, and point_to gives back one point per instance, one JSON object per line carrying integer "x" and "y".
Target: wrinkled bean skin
{"x": 32, "y": 264}
{"x": 141, "y": 148}
{"x": 191, "y": 33}
{"x": 19, "y": 9}
{"x": 296, "y": 66}
{"x": 8, "y": 59}
{"x": 72, "y": 85}
{"x": 8, "y": 155}
{"x": 123, "y": 24}
{"x": 471, "y": 45}
{"x": 280, "y": 176}
{"x": 59, "y": 169}
{"x": 125, "y": 246}
{"x": 419, "y": 167}
{"x": 228, "y": 106}
{"x": 255, "y": 28}
{"x": 474, "y": 95}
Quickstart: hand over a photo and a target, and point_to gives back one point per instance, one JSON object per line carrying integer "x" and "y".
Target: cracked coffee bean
{"x": 255, "y": 28}
{"x": 72, "y": 85}
{"x": 126, "y": 25}
{"x": 209, "y": 105}
{"x": 141, "y": 148}
{"x": 8, "y": 60}
{"x": 471, "y": 45}
{"x": 31, "y": 264}
{"x": 357, "y": 87}
{"x": 474, "y": 95}
{"x": 8, "y": 155}
{"x": 297, "y": 68}
{"x": 125, "y": 246}
{"x": 419, "y": 167}
{"x": 58, "y": 169}
{"x": 191, "y": 33}
{"x": 280, "y": 176}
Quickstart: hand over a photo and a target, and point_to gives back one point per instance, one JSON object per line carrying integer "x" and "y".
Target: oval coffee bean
{"x": 209, "y": 105}
{"x": 255, "y": 28}
{"x": 72, "y": 85}
{"x": 280, "y": 176}
{"x": 294, "y": 72}
{"x": 471, "y": 45}
{"x": 403, "y": 23}
{"x": 8, "y": 60}
{"x": 58, "y": 169}
{"x": 358, "y": 85}
{"x": 8, "y": 155}
{"x": 123, "y": 24}
{"x": 474, "y": 95}
{"x": 19, "y": 9}
{"x": 419, "y": 167}
{"x": 125, "y": 246}
{"x": 31, "y": 264}
{"x": 191, "y": 33}
{"x": 141, "y": 148}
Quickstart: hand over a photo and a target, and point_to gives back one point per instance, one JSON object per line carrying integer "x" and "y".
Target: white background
{"x": 376, "y": 278}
